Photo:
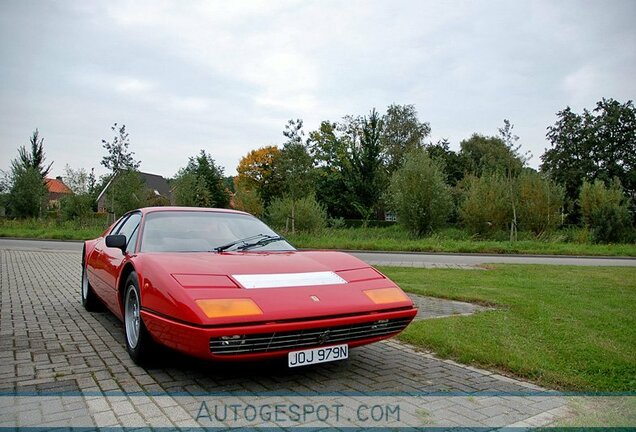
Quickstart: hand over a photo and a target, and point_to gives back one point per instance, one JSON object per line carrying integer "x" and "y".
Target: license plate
{"x": 317, "y": 355}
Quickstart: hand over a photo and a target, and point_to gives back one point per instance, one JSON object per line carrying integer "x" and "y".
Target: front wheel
{"x": 139, "y": 343}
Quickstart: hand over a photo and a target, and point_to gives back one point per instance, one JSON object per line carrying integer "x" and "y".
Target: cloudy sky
{"x": 226, "y": 76}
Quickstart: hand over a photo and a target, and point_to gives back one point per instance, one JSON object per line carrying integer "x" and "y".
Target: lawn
{"x": 566, "y": 328}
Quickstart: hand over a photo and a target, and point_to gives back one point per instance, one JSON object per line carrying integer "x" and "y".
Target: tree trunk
{"x": 293, "y": 218}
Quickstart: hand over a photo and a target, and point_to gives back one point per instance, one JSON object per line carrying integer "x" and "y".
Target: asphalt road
{"x": 384, "y": 258}
{"x": 463, "y": 260}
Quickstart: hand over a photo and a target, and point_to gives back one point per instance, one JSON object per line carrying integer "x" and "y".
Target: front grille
{"x": 266, "y": 342}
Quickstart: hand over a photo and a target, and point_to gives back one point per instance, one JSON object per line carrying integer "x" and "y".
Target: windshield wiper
{"x": 261, "y": 242}
{"x": 262, "y": 239}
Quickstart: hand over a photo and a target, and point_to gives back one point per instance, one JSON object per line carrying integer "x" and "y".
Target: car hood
{"x": 285, "y": 285}
{"x": 228, "y": 263}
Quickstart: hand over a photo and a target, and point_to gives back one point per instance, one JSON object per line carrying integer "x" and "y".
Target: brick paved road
{"x": 50, "y": 345}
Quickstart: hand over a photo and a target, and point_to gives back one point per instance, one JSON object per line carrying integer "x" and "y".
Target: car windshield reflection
{"x": 206, "y": 231}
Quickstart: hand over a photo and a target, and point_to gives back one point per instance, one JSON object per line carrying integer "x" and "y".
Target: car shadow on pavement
{"x": 211, "y": 375}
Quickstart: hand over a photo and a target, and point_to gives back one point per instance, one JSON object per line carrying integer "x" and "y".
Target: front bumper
{"x": 203, "y": 342}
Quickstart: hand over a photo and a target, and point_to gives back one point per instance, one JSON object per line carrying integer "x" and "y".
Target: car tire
{"x": 139, "y": 343}
{"x": 90, "y": 301}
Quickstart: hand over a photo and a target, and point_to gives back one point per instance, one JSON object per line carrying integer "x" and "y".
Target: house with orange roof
{"x": 57, "y": 190}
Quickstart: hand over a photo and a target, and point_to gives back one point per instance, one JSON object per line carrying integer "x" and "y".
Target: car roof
{"x": 147, "y": 210}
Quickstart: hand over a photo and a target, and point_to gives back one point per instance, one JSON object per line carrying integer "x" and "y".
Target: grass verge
{"x": 453, "y": 240}
{"x": 569, "y": 328}
{"x": 54, "y": 230}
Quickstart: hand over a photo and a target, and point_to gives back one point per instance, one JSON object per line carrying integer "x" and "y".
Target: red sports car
{"x": 219, "y": 284}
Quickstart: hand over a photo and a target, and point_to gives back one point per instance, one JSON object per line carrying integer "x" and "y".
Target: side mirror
{"x": 116, "y": 241}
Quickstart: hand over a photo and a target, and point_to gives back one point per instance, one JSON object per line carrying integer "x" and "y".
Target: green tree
{"x": 79, "y": 180}
{"x": 351, "y": 159}
{"x": 402, "y": 133}
{"x": 363, "y": 171}
{"x": 598, "y": 144}
{"x": 248, "y": 200}
{"x": 419, "y": 195}
{"x": 614, "y": 131}
{"x": 190, "y": 190}
{"x": 79, "y": 205}
{"x": 5, "y": 182}
{"x": 121, "y": 163}
{"x": 33, "y": 158}
{"x": 311, "y": 216}
{"x": 27, "y": 196}
{"x": 328, "y": 151}
{"x": 451, "y": 162}
{"x": 540, "y": 201}
{"x": 295, "y": 167}
{"x": 605, "y": 211}
{"x": 28, "y": 193}
{"x": 127, "y": 192}
{"x": 486, "y": 205}
{"x": 512, "y": 170}
{"x": 212, "y": 178}
{"x": 119, "y": 157}
{"x": 76, "y": 207}
{"x": 325, "y": 145}
{"x": 485, "y": 155}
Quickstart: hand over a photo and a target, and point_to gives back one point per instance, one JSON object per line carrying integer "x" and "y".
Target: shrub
{"x": 307, "y": 213}
{"x": 248, "y": 200}
{"x": 28, "y": 194}
{"x": 337, "y": 222}
{"x": 539, "y": 203}
{"x": 606, "y": 212}
{"x": 154, "y": 199}
{"x": 486, "y": 207}
{"x": 363, "y": 223}
{"x": 76, "y": 207}
{"x": 419, "y": 195}
{"x": 127, "y": 192}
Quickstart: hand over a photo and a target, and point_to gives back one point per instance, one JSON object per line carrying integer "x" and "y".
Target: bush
{"x": 127, "y": 192}
{"x": 76, "y": 207}
{"x": 154, "y": 199}
{"x": 419, "y": 195}
{"x": 364, "y": 223}
{"x": 248, "y": 200}
{"x": 539, "y": 203}
{"x": 486, "y": 208}
{"x": 606, "y": 212}
{"x": 307, "y": 213}
{"x": 337, "y": 222}
{"x": 28, "y": 195}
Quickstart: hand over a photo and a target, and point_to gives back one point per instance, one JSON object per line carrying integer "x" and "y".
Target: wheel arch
{"x": 121, "y": 288}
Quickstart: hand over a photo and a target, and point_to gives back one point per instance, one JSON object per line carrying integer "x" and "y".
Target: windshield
{"x": 203, "y": 231}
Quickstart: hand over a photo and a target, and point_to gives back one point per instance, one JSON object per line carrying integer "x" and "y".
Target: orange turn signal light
{"x": 221, "y": 308}
{"x": 386, "y": 295}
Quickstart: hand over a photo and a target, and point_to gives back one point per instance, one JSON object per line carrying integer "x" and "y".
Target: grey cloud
{"x": 225, "y": 76}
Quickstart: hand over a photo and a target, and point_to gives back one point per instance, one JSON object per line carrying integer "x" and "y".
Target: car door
{"x": 97, "y": 262}
{"x": 114, "y": 259}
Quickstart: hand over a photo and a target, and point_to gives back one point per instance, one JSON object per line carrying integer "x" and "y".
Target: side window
{"x": 118, "y": 224}
{"x": 130, "y": 246}
{"x": 130, "y": 229}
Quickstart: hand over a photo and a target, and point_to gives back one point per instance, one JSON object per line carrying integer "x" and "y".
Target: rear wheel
{"x": 89, "y": 299}
{"x": 139, "y": 343}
